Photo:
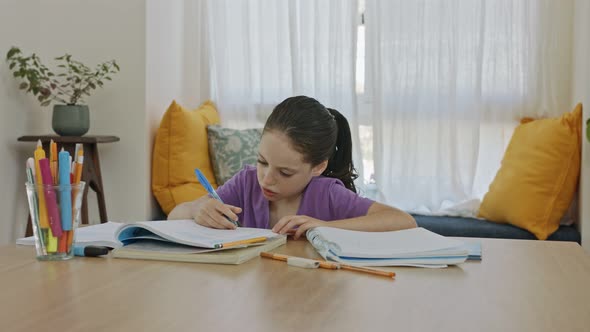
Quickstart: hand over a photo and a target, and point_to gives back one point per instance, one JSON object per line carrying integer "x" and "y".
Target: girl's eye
{"x": 261, "y": 162}
{"x": 285, "y": 174}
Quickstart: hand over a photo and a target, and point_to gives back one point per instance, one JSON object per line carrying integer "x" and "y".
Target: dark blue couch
{"x": 469, "y": 227}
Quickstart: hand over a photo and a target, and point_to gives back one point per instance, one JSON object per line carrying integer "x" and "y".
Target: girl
{"x": 303, "y": 179}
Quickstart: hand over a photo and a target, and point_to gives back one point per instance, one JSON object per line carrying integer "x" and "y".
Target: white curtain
{"x": 196, "y": 75}
{"x": 263, "y": 51}
{"x": 448, "y": 82}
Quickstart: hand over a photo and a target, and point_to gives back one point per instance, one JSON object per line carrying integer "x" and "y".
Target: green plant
{"x": 68, "y": 86}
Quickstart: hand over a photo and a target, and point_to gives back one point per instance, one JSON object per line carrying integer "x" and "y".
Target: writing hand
{"x": 211, "y": 213}
{"x": 296, "y": 224}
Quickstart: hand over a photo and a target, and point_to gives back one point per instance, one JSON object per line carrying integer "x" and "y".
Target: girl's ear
{"x": 320, "y": 168}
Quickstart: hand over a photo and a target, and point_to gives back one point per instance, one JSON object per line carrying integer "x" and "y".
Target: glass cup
{"x": 55, "y": 216}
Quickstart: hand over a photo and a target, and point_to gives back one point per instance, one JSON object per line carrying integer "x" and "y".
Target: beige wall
{"x": 18, "y": 114}
{"x": 92, "y": 31}
{"x": 581, "y": 93}
{"x": 164, "y": 65}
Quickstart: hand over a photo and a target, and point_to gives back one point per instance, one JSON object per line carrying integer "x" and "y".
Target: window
{"x": 364, "y": 107}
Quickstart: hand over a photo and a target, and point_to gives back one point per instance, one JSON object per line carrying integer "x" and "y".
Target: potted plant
{"x": 65, "y": 87}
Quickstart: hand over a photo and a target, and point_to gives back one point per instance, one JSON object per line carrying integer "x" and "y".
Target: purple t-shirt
{"x": 324, "y": 198}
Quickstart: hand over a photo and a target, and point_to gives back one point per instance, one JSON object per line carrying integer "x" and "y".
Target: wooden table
{"x": 91, "y": 173}
{"x": 519, "y": 286}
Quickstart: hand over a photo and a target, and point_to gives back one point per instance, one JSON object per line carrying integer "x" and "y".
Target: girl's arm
{"x": 379, "y": 218}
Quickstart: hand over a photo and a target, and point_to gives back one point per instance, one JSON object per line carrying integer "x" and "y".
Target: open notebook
{"x": 410, "y": 247}
{"x": 96, "y": 235}
{"x": 179, "y": 240}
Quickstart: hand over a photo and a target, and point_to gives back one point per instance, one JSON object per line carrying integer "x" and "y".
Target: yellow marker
{"x": 51, "y": 242}
{"x": 40, "y": 154}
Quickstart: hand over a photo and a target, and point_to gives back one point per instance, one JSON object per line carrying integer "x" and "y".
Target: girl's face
{"x": 282, "y": 173}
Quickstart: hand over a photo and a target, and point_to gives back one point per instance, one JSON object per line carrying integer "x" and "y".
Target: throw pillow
{"x": 538, "y": 176}
{"x": 180, "y": 147}
{"x": 231, "y": 149}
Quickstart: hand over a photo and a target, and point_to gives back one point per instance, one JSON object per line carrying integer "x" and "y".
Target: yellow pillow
{"x": 181, "y": 146}
{"x": 538, "y": 176}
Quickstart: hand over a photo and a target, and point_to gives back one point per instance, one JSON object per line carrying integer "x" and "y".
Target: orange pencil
{"x": 70, "y": 236}
{"x": 62, "y": 242}
{"x": 283, "y": 258}
{"x": 388, "y": 274}
{"x": 53, "y": 160}
{"x": 334, "y": 266}
{"x": 241, "y": 242}
{"x": 79, "y": 164}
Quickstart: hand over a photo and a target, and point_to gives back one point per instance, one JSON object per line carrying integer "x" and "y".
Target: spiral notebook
{"x": 410, "y": 247}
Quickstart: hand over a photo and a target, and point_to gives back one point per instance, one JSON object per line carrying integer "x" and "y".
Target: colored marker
{"x": 50, "y": 198}
{"x": 90, "y": 251}
{"x": 65, "y": 202}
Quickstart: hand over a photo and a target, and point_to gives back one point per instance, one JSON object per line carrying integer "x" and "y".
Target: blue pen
{"x": 65, "y": 204}
{"x": 203, "y": 180}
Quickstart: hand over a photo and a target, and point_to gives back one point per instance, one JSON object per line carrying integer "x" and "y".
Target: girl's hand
{"x": 296, "y": 225}
{"x": 211, "y": 213}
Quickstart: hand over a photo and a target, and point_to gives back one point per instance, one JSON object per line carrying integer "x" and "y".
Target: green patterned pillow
{"x": 231, "y": 149}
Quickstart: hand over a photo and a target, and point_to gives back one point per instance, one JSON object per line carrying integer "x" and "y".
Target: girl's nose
{"x": 268, "y": 179}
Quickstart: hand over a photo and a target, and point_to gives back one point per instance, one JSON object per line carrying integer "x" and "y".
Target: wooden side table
{"x": 90, "y": 172}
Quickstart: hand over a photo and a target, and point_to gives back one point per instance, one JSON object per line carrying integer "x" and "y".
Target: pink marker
{"x": 50, "y": 198}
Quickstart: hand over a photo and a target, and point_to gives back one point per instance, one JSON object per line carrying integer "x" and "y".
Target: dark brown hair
{"x": 317, "y": 132}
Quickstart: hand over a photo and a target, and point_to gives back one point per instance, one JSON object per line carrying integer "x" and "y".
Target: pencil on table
{"x": 334, "y": 266}
{"x": 383, "y": 273}
{"x": 283, "y": 258}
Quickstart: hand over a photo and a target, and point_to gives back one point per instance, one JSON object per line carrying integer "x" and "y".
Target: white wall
{"x": 164, "y": 63}
{"x": 93, "y": 31}
{"x": 581, "y": 93}
{"x": 177, "y": 63}
{"x": 18, "y": 114}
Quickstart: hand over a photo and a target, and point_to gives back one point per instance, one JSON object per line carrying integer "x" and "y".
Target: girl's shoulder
{"x": 243, "y": 183}
{"x": 246, "y": 175}
{"x": 326, "y": 184}
{"x": 322, "y": 186}
{"x": 248, "y": 170}
{"x": 328, "y": 199}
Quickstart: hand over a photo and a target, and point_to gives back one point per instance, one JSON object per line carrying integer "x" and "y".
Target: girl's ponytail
{"x": 340, "y": 165}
